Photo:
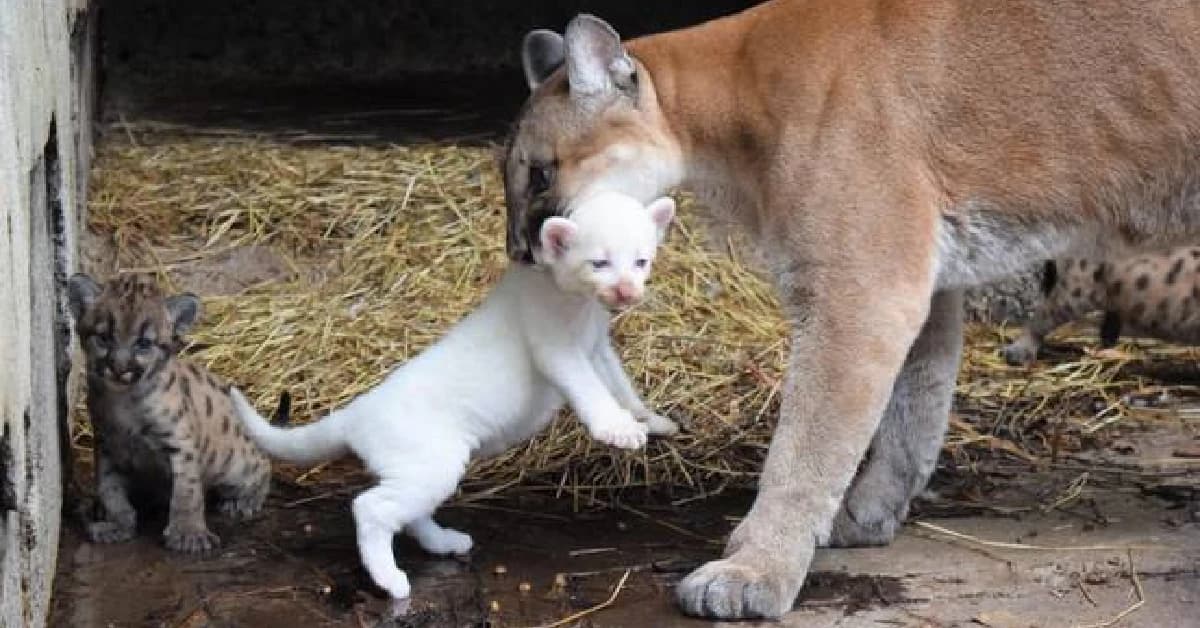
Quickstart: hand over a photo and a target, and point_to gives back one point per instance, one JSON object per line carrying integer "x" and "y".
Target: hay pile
{"x": 390, "y": 245}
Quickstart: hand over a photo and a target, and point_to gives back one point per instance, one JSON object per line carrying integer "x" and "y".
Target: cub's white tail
{"x": 307, "y": 444}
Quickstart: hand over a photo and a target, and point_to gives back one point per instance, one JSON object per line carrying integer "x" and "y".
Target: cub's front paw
{"x": 620, "y": 430}
{"x": 657, "y": 424}
{"x": 109, "y": 532}
{"x": 190, "y": 539}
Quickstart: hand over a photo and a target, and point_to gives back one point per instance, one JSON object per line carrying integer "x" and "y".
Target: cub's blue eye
{"x": 600, "y": 264}
{"x": 143, "y": 344}
{"x": 641, "y": 263}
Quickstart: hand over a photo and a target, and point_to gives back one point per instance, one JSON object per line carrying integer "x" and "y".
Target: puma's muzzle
{"x": 525, "y": 220}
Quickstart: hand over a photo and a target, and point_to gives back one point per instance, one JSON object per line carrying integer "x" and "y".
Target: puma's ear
{"x": 662, "y": 212}
{"x": 557, "y": 235}
{"x": 597, "y": 64}
{"x": 542, "y": 52}
{"x": 82, "y": 291}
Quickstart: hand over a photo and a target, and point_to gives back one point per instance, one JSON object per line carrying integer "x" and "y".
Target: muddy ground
{"x": 1034, "y": 552}
{"x": 1102, "y": 537}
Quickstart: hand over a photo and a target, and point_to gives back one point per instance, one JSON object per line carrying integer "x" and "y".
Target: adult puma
{"x": 882, "y": 155}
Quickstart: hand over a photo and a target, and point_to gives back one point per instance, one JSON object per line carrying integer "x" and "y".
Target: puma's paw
{"x": 657, "y": 424}
{"x": 190, "y": 539}
{"x": 848, "y": 531}
{"x": 620, "y": 430}
{"x": 732, "y": 589}
{"x": 109, "y": 532}
{"x": 874, "y": 508}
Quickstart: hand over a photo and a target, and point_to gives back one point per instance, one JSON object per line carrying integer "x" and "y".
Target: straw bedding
{"x": 384, "y": 247}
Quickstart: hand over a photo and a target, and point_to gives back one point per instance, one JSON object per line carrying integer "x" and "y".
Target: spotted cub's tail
{"x": 306, "y": 444}
{"x": 283, "y": 412}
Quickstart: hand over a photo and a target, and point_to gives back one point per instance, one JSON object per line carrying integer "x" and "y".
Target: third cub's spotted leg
{"x": 904, "y": 451}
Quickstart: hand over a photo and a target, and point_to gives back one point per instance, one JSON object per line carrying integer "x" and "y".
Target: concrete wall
{"x": 46, "y": 88}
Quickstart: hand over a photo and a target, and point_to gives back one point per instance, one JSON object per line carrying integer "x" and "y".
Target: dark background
{"x": 320, "y": 64}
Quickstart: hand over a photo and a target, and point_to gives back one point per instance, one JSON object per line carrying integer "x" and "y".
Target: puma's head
{"x": 591, "y": 124}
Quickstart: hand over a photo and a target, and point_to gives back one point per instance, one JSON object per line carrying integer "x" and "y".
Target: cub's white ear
{"x": 557, "y": 235}
{"x": 542, "y": 52}
{"x": 662, "y": 212}
{"x": 596, "y": 61}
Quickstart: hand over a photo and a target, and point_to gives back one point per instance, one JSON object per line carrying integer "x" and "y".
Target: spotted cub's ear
{"x": 558, "y": 234}
{"x": 81, "y": 294}
{"x": 662, "y": 212}
{"x": 184, "y": 310}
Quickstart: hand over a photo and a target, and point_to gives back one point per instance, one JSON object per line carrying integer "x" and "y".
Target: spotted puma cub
{"x": 1149, "y": 295}
{"x": 160, "y": 423}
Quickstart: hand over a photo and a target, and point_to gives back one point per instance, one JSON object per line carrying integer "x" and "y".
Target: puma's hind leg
{"x": 905, "y": 448}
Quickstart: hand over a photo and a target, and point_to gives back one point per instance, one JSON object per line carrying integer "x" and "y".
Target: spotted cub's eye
{"x": 600, "y": 264}
{"x": 540, "y": 178}
{"x": 641, "y": 262}
{"x": 98, "y": 342}
{"x": 143, "y": 345}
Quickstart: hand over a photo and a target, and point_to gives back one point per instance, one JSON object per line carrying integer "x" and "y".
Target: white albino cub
{"x": 539, "y": 340}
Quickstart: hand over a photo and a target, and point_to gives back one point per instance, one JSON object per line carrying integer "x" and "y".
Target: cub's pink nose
{"x": 626, "y": 292}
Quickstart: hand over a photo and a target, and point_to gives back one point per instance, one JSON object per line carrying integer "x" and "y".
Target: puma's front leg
{"x": 906, "y": 445}
{"x": 608, "y": 364}
{"x": 855, "y": 310}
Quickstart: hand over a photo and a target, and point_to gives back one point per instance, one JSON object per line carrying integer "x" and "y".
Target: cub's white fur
{"x": 540, "y": 339}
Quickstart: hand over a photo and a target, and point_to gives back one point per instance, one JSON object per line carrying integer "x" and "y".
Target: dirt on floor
{"x": 1003, "y": 545}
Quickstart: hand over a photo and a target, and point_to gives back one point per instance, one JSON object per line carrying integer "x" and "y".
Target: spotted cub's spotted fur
{"x": 160, "y": 423}
{"x": 1150, "y": 295}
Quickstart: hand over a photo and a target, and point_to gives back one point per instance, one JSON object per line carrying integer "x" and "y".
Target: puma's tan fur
{"x": 882, "y": 155}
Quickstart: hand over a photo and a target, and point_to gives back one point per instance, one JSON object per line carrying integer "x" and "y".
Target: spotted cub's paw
{"x": 657, "y": 424}
{"x": 620, "y": 430}
{"x": 190, "y": 540}
{"x": 240, "y": 508}
{"x": 109, "y": 532}
{"x": 1019, "y": 354}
